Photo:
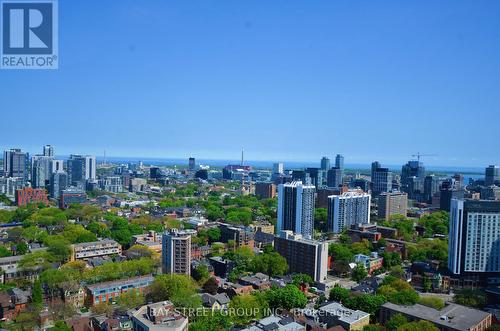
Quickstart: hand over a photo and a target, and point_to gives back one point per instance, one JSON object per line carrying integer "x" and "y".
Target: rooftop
{"x": 120, "y": 282}
{"x": 452, "y": 316}
{"x": 344, "y": 314}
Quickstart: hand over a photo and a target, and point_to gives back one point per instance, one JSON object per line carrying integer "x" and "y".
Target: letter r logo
{"x": 27, "y": 27}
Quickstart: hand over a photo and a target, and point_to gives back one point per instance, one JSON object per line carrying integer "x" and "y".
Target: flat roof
{"x": 451, "y": 316}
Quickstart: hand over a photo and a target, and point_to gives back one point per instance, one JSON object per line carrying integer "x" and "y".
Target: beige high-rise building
{"x": 392, "y": 203}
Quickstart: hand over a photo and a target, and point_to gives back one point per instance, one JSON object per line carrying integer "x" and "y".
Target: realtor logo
{"x": 29, "y": 34}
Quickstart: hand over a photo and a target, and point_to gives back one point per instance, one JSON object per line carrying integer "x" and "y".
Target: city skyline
{"x": 205, "y": 78}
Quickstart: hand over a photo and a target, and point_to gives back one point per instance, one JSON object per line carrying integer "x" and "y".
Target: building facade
{"x": 474, "y": 244}
{"x": 176, "y": 252}
{"x": 392, "y": 203}
{"x": 94, "y": 249}
{"x": 303, "y": 255}
{"x": 347, "y": 209}
{"x": 296, "y": 208}
{"x": 265, "y": 190}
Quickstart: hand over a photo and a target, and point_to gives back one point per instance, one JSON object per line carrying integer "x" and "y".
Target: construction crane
{"x": 418, "y": 155}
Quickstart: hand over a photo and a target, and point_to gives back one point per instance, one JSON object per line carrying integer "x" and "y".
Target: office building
{"x": 48, "y": 151}
{"x": 57, "y": 166}
{"x": 58, "y": 183}
{"x": 137, "y": 184}
{"x": 452, "y": 317}
{"x": 159, "y": 316}
{"x": 113, "y": 184}
{"x": 72, "y": 195}
{"x": 29, "y": 195}
{"x": 201, "y": 174}
{"x": 431, "y": 187}
{"x": 381, "y": 181}
{"x": 240, "y": 235}
{"x": 391, "y": 204}
{"x": 90, "y": 250}
{"x": 81, "y": 169}
{"x": 303, "y": 255}
{"x": 301, "y": 175}
{"x": 109, "y": 291}
{"x": 323, "y": 194}
{"x": 296, "y": 208}
{"x": 360, "y": 183}
{"x": 334, "y": 177}
{"x": 41, "y": 169}
{"x": 176, "y": 252}
{"x": 325, "y": 163}
{"x": 316, "y": 176}
{"x": 447, "y": 193}
{"x": 474, "y": 244}
{"x": 265, "y": 190}
{"x": 192, "y": 164}
{"x": 492, "y": 175}
{"x": 9, "y": 186}
{"x": 375, "y": 166}
{"x": 347, "y": 209}
{"x": 16, "y": 164}
{"x": 278, "y": 168}
{"x": 412, "y": 178}
{"x": 339, "y": 162}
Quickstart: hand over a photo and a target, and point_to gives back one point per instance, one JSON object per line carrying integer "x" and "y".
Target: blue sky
{"x": 286, "y": 80}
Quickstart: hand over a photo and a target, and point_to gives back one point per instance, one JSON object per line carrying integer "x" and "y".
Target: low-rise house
{"x": 109, "y": 291}
{"x": 333, "y": 314}
{"x": 11, "y": 271}
{"x": 371, "y": 263}
{"x": 215, "y": 302}
{"x": 452, "y": 317}
{"x": 233, "y": 289}
{"x": 258, "y": 281}
{"x": 159, "y": 316}
{"x": 13, "y": 302}
{"x": 222, "y": 267}
{"x": 276, "y": 323}
{"x": 95, "y": 249}
{"x": 152, "y": 240}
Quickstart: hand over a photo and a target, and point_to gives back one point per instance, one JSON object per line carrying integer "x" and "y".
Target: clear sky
{"x": 286, "y": 80}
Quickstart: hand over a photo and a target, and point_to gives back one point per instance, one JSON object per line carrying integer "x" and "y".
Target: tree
{"x": 215, "y": 321}
{"x": 340, "y": 253}
{"x": 21, "y": 248}
{"x": 395, "y": 322}
{"x": 391, "y": 259}
{"x": 302, "y": 279}
{"x": 180, "y": 289}
{"x": 287, "y": 297}
{"x": 398, "y": 291}
{"x": 211, "y": 286}
{"x": 418, "y": 326}
{"x": 367, "y": 302}
{"x": 246, "y": 308}
{"x": 359, "y": 273}
{"x": 4, "y": 251}
{"x": 213, "y": 234}
{"x": 25, "y": 321}
{"x": 339, "y": 294}
{"x": 37, "y": 294}
{"x": 432, "y": 301}
{"x": 60, "y": 326}
{"x": 470, "y": 297}
{"x": 272, "y": 264}
{"x": 131, "y": 298}
{"x": 201, "y": 274}
{"x": 372, "y": 327}
{"x": 58, "y": 247}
